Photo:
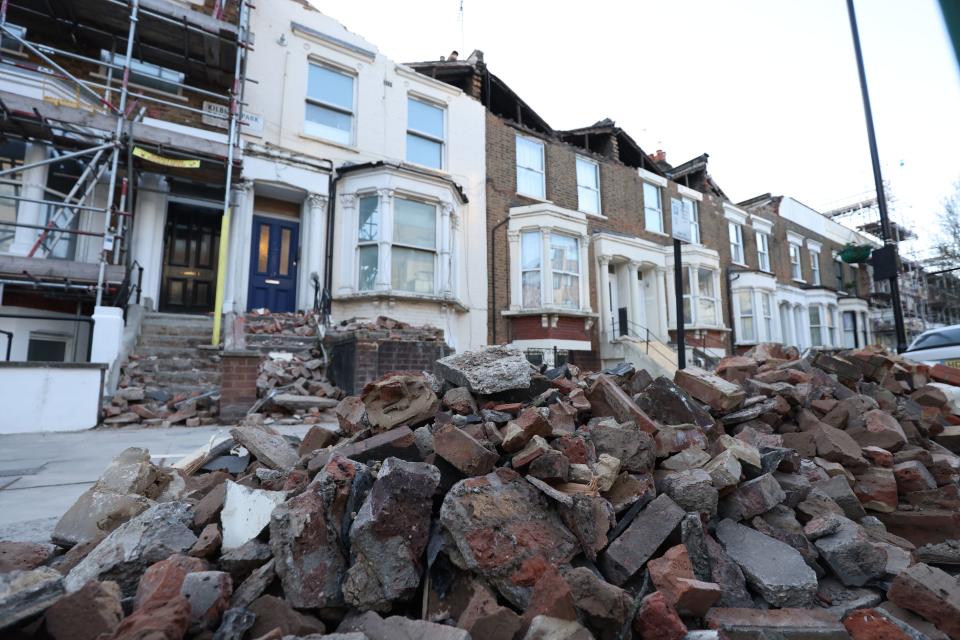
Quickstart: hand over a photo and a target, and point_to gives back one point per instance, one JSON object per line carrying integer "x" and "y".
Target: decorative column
{"x": 346, "y": 244}
{"x": 636, "y": 300}
{"x": 446, "y": 209}
{"x": 314, "y": 242}
{"x": 455, "y": 255}
{"x": 546, "y": 269}
{"x": 516, "y": 283}
{"x": 384, "y": 282}
{"x": 584, "y": 273}
{"x": 606, "y": 327}
{"x": 663, "y": 304}
{"x": 33, "y": 181}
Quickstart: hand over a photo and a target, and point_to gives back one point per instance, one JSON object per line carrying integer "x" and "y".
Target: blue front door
{"x": 273, "y": 264}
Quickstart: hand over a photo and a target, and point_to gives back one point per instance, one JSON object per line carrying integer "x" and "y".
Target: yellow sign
{"x": 168, "y": 162}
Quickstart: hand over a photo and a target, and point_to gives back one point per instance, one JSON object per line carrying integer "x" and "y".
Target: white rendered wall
{"x": 49, "y": 397}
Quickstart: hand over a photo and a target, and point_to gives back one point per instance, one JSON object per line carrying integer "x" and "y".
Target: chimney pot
{"x": 659, "y": 156}
{"x": 453, "y": 55}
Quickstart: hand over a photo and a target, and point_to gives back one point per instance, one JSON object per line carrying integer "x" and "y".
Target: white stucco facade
{"x": 312, "y": 140}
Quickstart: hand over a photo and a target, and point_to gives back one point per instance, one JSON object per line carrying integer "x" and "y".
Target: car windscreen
{"x": 945, "y": 338}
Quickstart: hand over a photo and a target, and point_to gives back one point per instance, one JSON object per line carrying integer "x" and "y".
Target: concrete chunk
{"x": 27, "y": 593}
{"x": 626, "y": 555}
{"x": 246, "y": 513}
{"x": 487, "y": 371}
{"x": 271, "y": 450}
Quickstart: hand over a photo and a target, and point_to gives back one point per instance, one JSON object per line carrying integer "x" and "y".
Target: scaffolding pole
{"x": 115, "y": 156}
{"x": 232, "y": 140}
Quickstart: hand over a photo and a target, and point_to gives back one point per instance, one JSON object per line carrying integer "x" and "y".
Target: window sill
{"x": 658, "y": 233}
{"x": 598, "y": 216}
{"x": 550, "y": 311}
{"x": 400, "y": 296}
{"x": 740, "y": 264}
{"x": 338, "y": 145}
{"x": 799, "y": 281}
{"x": 535, "y": 198}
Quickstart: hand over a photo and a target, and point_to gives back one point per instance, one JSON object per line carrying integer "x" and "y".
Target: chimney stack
{"x": 453, "y": 56}
{"x": 659, "y": 156}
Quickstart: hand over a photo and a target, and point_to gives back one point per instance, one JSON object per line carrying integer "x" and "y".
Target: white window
{"x": 329, "y": 109}
{"x": 766, "y": 311}
{"x": 48, "y": 347}
{"x": 747, "y": 329}
{"x": 849, "y": 329}
{"x": 530, "y": 174}
{"x": 145, "y": 74}
{"x": 831, "y": 334}
{"x": 816, "y": 324}
{"x": 815, "y": 267}
{"x": 414, "y": 248}
{"x": 424, "y": 133}
{"x": 564, "y": 270}
{"x": 700, "y": 307}
{"x": 795, "y": 271}
{"x": 565, "y": 264}
{"x": 652, "y": 208}
{"x": 588, "y": 185}
{"x": 530, "y": 260}
{"x": 736, "y": 242}
{"x": 412, "y": 245}
{"x": 763, "y": 251}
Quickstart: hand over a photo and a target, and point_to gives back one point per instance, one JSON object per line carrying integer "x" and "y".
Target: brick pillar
{"x": 238, "y": 383}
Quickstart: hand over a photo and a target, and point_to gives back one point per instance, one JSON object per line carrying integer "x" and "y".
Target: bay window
{"x": 815, "y": 268}
{"x": 530, "y": 167}
{"x": 424, "y": 133}
{"x": 736, "y": 242}
{"x": 700, "y": 300}
{"x": 747, "y": 329}
{"x": 763, "y": 251}
{"x": 414, "y": 247}
{"x": 565, "y": 265}
{"x": 408, "y": 247}
{"x": 564, "y": 270}
{"x": 766, "y": 310}
{"x": 329, "y": 104}
{"x": 588, "y": 185}
{"x": 530, "y": 248}
{"x": 816, "y": 325}
{"x": 795, "y": 269}
{"x": 652, "y": 208}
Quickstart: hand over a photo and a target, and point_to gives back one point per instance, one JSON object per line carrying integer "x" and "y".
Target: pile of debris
{"x": 778, "y": 497}
{"x": 294, "y": 389}
{"x": 300, "y": 323}
{"x": 136, "y": 404}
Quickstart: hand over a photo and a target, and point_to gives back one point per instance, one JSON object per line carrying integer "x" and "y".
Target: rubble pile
{"x": 264, "y": 321}
{"x": 777, "y": 497}
{"x": 137, "y": 403}
{"x": 294, "y": 388}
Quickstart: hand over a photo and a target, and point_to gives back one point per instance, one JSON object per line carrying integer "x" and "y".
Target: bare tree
{"x": 948, "y": 242}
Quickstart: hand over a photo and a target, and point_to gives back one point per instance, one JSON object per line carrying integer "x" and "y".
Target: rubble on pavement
{"x": 775, "y": 497}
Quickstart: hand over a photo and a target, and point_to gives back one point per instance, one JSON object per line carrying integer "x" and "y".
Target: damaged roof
{"x": 694, "y": 171}
{"x": 628, "y": 151}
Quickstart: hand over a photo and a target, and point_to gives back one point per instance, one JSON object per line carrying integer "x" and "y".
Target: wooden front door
{"x": 273, "y": 264}
{"x": 191, "y": 242}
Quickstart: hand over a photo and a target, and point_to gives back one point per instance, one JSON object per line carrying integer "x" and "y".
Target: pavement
{"x": 42, "y": 474}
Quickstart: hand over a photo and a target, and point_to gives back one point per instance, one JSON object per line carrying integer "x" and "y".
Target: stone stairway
{"x": 170, "y": 354}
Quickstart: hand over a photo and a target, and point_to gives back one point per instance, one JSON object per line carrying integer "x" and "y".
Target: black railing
{"x": 128, "y": 287}
{"x": 631, "y": 329}
{"x": 9, "y": 336}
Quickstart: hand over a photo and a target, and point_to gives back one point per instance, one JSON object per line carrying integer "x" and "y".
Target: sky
{"x": 767, "y": 87}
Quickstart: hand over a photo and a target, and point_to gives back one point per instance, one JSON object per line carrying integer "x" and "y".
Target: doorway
{"x": 273, "y": 264}
{"x": 191, "y": 242}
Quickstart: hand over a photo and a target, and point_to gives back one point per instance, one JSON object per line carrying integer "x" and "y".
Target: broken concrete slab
{"x": 398, "y": 399}
{"x": 491, "y": 370}
{"x": 783, "y": 624}
{"x": 627, "y": 555}
{"x": 26, "y": 593}
{"x": 930, "y": 592}
{"x": 776, "y": 570}
{"x": 274, "y": 451}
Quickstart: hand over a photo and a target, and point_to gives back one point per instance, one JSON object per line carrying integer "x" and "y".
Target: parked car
{"x": 937, "y": 346}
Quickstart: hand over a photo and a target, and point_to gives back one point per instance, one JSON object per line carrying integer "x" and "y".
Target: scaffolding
{"x": 159, "y": 44}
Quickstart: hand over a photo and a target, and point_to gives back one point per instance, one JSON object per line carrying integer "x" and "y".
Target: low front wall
{"x": 49, "y": 396}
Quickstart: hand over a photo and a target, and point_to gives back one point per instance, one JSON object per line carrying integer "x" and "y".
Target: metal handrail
{"x": 630, "y": 331}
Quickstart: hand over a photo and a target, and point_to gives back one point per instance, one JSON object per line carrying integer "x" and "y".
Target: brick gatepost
{"x": 238, "y": 383}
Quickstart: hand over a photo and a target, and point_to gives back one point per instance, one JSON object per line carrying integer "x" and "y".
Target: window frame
{"x": 554, "y": 272}
{"x": 692, "y": 301}
{"x": 735, "y": 231}
{"x": 435, "y": 251}
{"x": 796, "y": 266}
{"x": 839, "y": 274}
{"x": 535, "y": 233}
{"x": 742, "y": 315}
{"x": 818, "y": 342}
{"x": 596, "y": 190}
{"x": 323, "y": 104}
{"x": 658, "y": 210}
{"x": 375, "y": 242}
{"x": 763, "y": 251}
{"x": 815, "y": 279}
{"x": 542, "y": 171}
{"x": 423, "y": 135}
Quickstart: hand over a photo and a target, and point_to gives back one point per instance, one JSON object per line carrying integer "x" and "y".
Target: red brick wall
{"x": 238, "y": 383}
{"x": 531, "y": 328}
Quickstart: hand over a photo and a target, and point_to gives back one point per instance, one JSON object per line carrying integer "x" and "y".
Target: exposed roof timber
{"x": 524, "y": 113}
{"x": 691, "y": 168}
{"x": 630, "y": 152}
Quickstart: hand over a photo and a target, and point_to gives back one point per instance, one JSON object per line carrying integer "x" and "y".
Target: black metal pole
{"x": 678, "y": 283}
{"x": 885, "y": 234}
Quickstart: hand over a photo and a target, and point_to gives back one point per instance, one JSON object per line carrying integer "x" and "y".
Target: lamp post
{"x": 885, "y": 234}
